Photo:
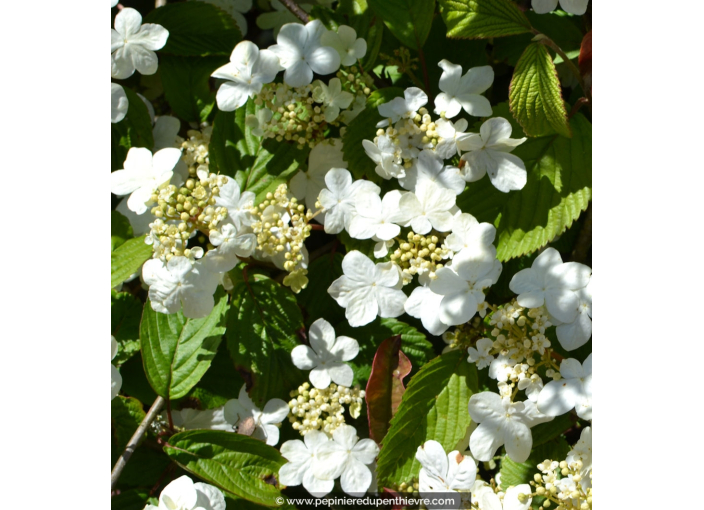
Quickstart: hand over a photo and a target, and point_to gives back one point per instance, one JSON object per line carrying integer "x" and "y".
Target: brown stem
{"x": 134, "y": 441}
{"x": 296, "y": 10}
{"x": 581, "y": 101}
{"x": 426, "y": 80}
{"x": 544, "y": 39}
{"x": 168, "y": 414}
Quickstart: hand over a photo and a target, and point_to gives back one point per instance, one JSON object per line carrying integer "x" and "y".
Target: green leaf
{"x": 187, "y": 84}
{"x": 547, "y": 431}
{"x": 127, "y": 259}
{"x": 125, "y": 314}
{"x": 176, "y": 350}
{"x": 196, "y": 29}
{"x": 363, "y": 127}
{"x": 408, "y": 20}
{"x": 434, "y": 406}
{"x": 133, "y": 499}
{"x": 513, "y": 473}
{"x": 220, "y": 383}
{"x": 413, "y": 344}
{"x": 314, "y": 299}
{"x": 261, "y": 333}
{"x": 239, "y": 464}
{"x": 232, "y": 145}
{"x": 482, "y": 19}
{"x": 535, "y": 95}
{"x": 126, "y": 414}
{"x": 120, "y": 230}
{"x": 135, "y": 130}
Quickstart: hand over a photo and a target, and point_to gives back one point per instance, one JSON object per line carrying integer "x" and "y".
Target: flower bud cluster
{"x": 314, "y": 409}
{"x": 562, "y": 486}
{"x": 465, "y": 335}
{"x": 195, "y": 149}
{"x": 419, "y": 255}
{"x": 409, "y": 136}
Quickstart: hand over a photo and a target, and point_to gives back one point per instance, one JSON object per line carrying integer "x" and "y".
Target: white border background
{"x": 648, "y": 177}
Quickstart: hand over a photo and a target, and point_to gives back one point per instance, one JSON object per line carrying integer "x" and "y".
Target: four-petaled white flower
{"x": 119, "y": 102}
{"x": 383, "y": 153}
{"x": 430, "y": 167}
{"x": 489, "y": 153}
{"x": 502, "y": 422}
{"x": 402, "y": 107}
{"x": 468, "y": 232}
{"x": 450, "y": 133}
{"x": 322, "y": 158}
{"x": 332, "y": 97}
{"x": 237, "y": 204}
{"x": 132, "y": 44}
{"x": 442, "y": 472}
{"x": 115, "y": 373}
{"x": 180, "y": 283}
{"x": 552, "y": 282}
{"x": 366, "y": 290}
{"x": 575, "y": 334}
{"x": 326, "y": 356}
{"x": 574, "y": 390}
{"x": 339, "y": 198}
{"x": 249, "y": 68}
{"x": 348, "y": 458}
{"x": 345, "y": 42}
{"x": 462, "y": 285}
{"x": 423, "y": 304}
{"x": 230, "y": 247}
{"x": 486, "y": 499}
{"x": 241, "y": 412}
{"x": 480, "y": 355}
{"x": 183, "y": 494}
{"x": 428, "y": 208}
{"x": 302, "y": 459}
{"x": 143, "y": 174}
{"x": 463, "y": 91}
{"x": 193, "y": 419}
{"x": 301, "y": 53}
{"x": 577, "y": 7}
{"x": 375, "y": 216}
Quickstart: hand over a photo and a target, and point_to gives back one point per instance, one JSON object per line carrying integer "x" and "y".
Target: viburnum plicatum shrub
{"x": 351, "y": 252}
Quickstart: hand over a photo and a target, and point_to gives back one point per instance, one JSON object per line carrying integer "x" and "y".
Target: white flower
{"x": 113, "y": 3}
{"x": 443, "y": 473}
{"x": 462, "y": 285}
{"x": 502, "y": 422}
{"x": 326, "y": 356}
{"x": 339, "y": 198}
{"x": 574, "y": 390}
{"x": 165, "y": 134}
{"x": 192, "y": 419}
{"x": 577, "y": 7}
{"x": 489, "y": 153}
{"x": 481, "y": 355}
{"x": 132, "y": 44}
{"x": 346, "y": 457}
{"x": 578, "y": 332}
{"x": 183, "y": 494}
{"x": 257, "y": 121}
{"x": 582, "y": 452}
{"x": 180, "y": 283}
{"x": 428, "y": 208}
{"x": 468, "y": 232}
{"x": 302, "y": 457}
{"x": 230, "y": 246}
{"x": 241, "y": 411}
{"x": 383, "y": 153}
{"x": 501, "y": 367}
{"x": 115, "y": 373}
{"x": 450, "y": 133}
{"x": 322, "y": 158}
{"x": 423, "y": 304}
{"x": 463, "y": 91}
{"x": 119, "y": 102}
{"x": 366, "y": 290}
{"x": 552, "y": 282}
{"x": 301, "y": 53}
{"x": 249, "y": 68}
{"x": 487, "y": 499}
{"x": 332, "y": 97}
{"x": 345, "y": 42}
{"x": 236, "y": 9}
{"x": 237, "y": 205}
{"x": 375, "y": 216}
{"x": 138, "y": 222}
{"x": 143, "y": 174}
{"x": 430, "y": 167}
{"x": 403, "y": 107}
{"x": 532, "y": 385}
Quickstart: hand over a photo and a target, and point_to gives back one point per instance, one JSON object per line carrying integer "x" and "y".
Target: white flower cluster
{"x": 183, "y": 494}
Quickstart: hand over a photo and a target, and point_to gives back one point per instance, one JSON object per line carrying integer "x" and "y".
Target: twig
{"x": 581, "y": 101}
{"x": 134, "y": 441}
{"x": 296, "y": 10}
{"x": 322, "y": 250}
{"x": 426, "y": 80}
{"x": 544, "y": 39}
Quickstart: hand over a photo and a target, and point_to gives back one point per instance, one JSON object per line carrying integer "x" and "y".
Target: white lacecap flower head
{"x": 132, "y": 44}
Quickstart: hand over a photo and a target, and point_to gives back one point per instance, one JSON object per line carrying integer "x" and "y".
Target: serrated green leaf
{"x": 127, "y": 259}
{"x": 244, "y": 466}
{"x": 262, "y": 330}
{"x": 186, "y": 83}
{"x": 434, "y": 406}
{"x": 196, "y": 29}
{"x": 176, "y": 350}
{"x": 535, "y": 96}
{"x": 514, "y": 473}
{"x": 482, "y": 19}
{"x": 125, "y": 314}
{"x": 135, "y": 130}
{"x": 408, "y": 20}
{"x": 363, "y": 127}
{"x": 120, "y": 230}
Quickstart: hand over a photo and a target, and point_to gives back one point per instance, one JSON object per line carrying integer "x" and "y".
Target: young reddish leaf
{"x": 385, "y": 387}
